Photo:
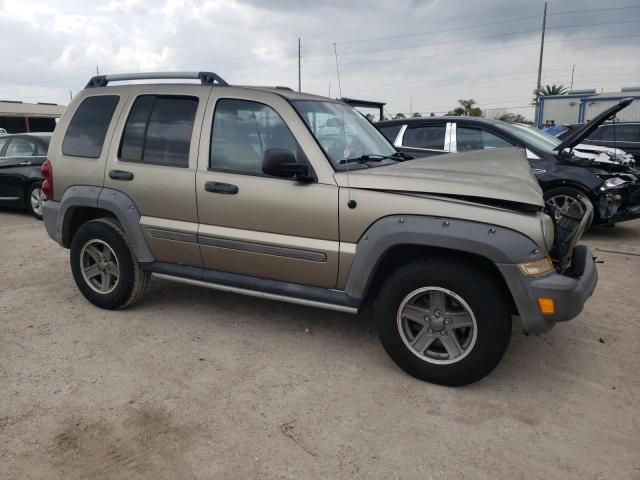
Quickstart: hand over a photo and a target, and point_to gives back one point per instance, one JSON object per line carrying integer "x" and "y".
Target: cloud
{"x": 412, "y": 54}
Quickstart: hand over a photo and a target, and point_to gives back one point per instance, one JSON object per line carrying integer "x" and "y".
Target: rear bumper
{"x": 569, "y": 293}
{"x": 50, "y": 213}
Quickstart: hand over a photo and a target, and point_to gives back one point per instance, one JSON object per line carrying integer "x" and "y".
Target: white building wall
{"x": 561, "y": 110}
{"x": 629, "y": 114}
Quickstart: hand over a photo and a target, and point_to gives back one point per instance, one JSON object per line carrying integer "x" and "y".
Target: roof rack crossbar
{"x": 206, "y": 78}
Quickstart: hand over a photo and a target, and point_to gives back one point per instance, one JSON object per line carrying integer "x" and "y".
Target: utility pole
{"x": 573, "y": 69}
{"x": 410, "y": 106}
{"x": 70, "y": 95}
{"x": 544, "y": 25}
{"x": 329, "y": 89}
{"x": 97, "y": 70}
{"x": 299, "y": 67}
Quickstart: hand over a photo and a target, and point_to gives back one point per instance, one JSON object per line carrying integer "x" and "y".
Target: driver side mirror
{"x": 281, "y": 163}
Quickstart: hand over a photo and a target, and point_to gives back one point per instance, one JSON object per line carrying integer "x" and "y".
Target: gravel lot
{"x": 193, "y": 383}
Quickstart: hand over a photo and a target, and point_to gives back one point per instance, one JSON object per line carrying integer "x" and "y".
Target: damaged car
{"x": 570, "y": 177}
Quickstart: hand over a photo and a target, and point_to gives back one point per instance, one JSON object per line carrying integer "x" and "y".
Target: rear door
{"x": 425, "y": 139}
{"x": 153, "y": 160}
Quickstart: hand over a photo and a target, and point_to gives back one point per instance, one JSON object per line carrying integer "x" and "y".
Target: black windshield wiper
{"x": 401, "y": 156}
{"x": 369, "y": 158}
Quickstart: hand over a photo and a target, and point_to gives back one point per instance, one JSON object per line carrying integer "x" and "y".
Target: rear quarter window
{"x": 88, "y": 127}
{"x": 390, "y": 131}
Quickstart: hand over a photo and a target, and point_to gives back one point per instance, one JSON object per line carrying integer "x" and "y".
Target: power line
{"x": 473, "y": 51}
{"x": 457, "y": 29}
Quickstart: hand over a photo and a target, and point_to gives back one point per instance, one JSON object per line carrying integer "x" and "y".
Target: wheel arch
{"x": 393, "y": 241}
{"x": 80, "y": 204}
{"x": 400, "y": 255}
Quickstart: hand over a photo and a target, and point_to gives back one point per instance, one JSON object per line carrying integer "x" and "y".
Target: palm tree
{"x": 467, "y": 108}
{"x": 549, "y": 90}
{"x": 553, "y": 90}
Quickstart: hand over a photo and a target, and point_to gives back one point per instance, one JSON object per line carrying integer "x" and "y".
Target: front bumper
{"x": 569, "y": 293}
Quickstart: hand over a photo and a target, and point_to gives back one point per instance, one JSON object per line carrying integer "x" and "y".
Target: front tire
{"x": 443, "y": 322}
{"x": 104, "y": 267}
{"x": 567, "y": 200}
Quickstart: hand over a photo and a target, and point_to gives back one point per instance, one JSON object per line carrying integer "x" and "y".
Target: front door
{"x": 254, "y": 224}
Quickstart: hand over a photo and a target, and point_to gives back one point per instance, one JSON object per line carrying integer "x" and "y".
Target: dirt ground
{"x": 194, "y": 383}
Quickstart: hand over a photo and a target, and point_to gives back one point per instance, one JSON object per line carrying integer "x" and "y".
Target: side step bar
{"x": 255, "y": 287}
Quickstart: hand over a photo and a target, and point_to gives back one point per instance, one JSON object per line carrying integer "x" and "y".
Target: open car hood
{"x": 500, "y": 174}
{"x": 583, "y": 132}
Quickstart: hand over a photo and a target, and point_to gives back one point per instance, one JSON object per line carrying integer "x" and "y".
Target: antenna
{"x": 335, "y": 50}
{"x": 344, "y": 134}
{"x": 299, "y": 67}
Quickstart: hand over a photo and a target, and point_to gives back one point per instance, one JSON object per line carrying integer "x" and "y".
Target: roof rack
{"x": 206, "y": 78}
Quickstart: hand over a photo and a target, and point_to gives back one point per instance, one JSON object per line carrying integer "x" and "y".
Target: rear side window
{"x": 425, "y": 137}
{"x": 88, "y": 127}
{"x": 620, "y": 133}
{"x": 21, "y": 147}
{"x": 158, "y": 130}
{"x": 390, "y": 132}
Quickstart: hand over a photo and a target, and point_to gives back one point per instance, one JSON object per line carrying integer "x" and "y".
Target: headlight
{"x": 536, "y": 267}
{"x": 548, "y": 230}
{"x": 613, "y": 183}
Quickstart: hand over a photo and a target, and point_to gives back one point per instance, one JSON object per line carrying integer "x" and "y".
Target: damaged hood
{"x": 500, "y": 174}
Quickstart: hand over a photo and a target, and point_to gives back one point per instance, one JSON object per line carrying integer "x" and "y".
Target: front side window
{"x": 88, "y": 127}
{"x": 342, "y": 132}
{"x": 468, "y": 139}
{"x": 158, "y": 130}
{"x": 243, "y": 131}
{"x": 429, "y": 136}
{"x": 20, "y": 147}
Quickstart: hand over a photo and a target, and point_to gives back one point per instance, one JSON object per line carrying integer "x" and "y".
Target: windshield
{"x": 532, "y": 136}
{"x": 343, "y": 132}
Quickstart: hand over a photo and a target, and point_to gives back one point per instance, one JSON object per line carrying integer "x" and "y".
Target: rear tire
{"x": 104, "y": 266}
{"x": 443, "y": 322}
{"x": 35, "y": 199}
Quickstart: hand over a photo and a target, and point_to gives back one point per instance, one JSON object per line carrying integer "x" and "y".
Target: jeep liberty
{"x": 296, "y": 197}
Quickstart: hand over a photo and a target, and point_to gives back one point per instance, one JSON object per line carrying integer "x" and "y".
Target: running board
{"x": 256, "y": 287}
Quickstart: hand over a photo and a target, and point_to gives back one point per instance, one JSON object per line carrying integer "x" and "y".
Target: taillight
{"x": 47, "y": 184}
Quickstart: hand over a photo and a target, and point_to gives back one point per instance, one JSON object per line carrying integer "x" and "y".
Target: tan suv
{"x": 295, "y": 197}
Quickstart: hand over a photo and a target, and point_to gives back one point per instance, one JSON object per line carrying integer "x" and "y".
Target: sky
{"x": 417, "y": 56}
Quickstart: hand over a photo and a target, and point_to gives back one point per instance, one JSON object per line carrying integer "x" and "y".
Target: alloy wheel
{"x": 437, "y": 325}
{"x": 37, "y": 199}
{"x": 99, "y": 266}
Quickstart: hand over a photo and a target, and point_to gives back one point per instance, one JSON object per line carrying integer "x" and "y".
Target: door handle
{"x": 120, "y": 175}
{"x": 218, "y": 187}
{"x": 26, "y": 163}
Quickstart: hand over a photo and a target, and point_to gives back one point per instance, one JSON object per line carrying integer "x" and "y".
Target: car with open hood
{"x": 567, "y": 170}
{"x": 287, "y": 196}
